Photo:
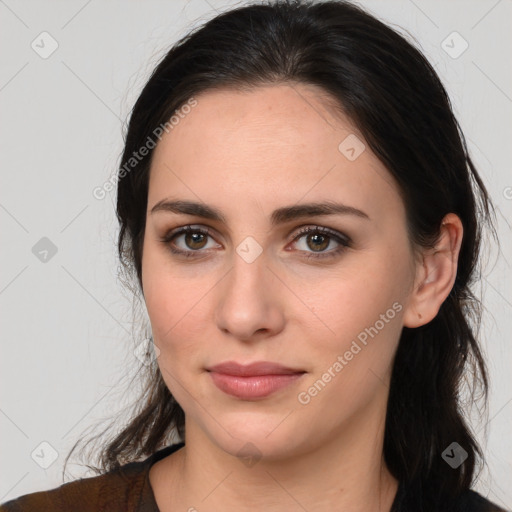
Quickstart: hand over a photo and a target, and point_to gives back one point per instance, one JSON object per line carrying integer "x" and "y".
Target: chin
{"x": 254, "y": 436}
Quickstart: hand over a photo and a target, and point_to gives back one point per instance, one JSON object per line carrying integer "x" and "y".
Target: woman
{"x": 298, "y": 207}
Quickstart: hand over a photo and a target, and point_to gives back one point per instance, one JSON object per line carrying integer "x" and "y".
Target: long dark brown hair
{"x": 392, "y": 94}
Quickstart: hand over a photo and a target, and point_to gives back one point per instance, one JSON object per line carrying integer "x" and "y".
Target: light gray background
{"x": 66, "y": 324}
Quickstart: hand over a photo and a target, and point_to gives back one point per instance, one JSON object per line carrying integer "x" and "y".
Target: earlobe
{"x": 436, "y": 274}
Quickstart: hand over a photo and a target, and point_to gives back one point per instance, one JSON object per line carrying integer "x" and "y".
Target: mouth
{"x": 254, "y": 381}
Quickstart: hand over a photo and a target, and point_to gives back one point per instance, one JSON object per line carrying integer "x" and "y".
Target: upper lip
{"x": 257, "y": 368}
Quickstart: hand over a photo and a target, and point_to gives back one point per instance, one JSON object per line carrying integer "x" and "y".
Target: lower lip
{"x": 253, "y": 387}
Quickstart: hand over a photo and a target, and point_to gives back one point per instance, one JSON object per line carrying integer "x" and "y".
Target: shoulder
{"x": 475, "y": 502}
{"x": 85, "y": 494}
{"x": 124, "y": 489}
{"x": 414, "y": 500}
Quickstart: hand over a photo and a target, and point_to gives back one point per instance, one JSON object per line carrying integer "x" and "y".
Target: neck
{"x": 346, "y": 473}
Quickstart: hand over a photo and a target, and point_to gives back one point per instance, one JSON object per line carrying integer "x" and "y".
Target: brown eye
{"x": 195, "y": 240}
{"x": 318, "y": 239}
{"x": 189, "y": 241}
{"x": 317, "y": 242}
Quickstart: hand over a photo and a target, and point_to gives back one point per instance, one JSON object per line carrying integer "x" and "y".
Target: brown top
{"x": 122, "y": 490}
{"x": 128, "y": 489}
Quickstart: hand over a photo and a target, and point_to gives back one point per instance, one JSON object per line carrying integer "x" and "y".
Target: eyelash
{"x": 343, "y": 240}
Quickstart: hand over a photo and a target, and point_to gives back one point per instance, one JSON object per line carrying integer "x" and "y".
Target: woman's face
{"x": 328, "y": 305}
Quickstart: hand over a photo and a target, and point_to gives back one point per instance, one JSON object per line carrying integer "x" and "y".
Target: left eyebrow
{"x": 279, "y": 216}
{"x": 288, "y": 213}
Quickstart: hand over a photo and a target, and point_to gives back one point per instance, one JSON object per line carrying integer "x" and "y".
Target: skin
{"x": 247, "y": 154}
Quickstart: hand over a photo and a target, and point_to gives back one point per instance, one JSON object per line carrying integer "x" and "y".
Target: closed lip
{"x": 253, "y": 369}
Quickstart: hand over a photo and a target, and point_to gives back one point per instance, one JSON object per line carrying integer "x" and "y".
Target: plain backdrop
{"x": 66, "y": 324}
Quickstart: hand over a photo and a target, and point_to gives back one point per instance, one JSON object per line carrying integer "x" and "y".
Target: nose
{"x": 249, "y": 302}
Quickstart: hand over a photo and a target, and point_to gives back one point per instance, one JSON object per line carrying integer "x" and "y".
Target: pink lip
{"x": 253, "y": 381}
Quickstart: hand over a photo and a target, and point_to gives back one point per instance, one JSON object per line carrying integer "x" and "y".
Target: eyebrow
{"x": 279, "y": 216}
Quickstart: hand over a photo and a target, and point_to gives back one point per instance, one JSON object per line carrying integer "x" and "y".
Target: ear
{"x": 435, "y": 275}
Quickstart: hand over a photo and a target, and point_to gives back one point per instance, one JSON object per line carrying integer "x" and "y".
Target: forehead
{"x": 273, "y": 143}
{"x": 293, "y": 120}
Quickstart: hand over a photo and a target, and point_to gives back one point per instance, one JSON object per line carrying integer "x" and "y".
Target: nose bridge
{"x": 248, "y": 274}
{"x": 247, "y": 301}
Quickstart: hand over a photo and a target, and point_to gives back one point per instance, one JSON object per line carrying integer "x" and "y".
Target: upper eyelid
{"x": 311, "y": 228}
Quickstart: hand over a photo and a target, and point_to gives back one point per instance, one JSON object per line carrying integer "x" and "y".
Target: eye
{"x": 192, "y": 240}
{"x": 318, "y": 239}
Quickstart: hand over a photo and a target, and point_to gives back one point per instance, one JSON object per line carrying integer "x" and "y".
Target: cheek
{"x": 364, "y": 329}
{"x": 351, "y": 365}
{"x": 179, "y": 311}
{"x": 167, "y": 297}
{"x": 357, "y": 296}
{"x": 362, "y": 306}
{"x": 176, "y": 313}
